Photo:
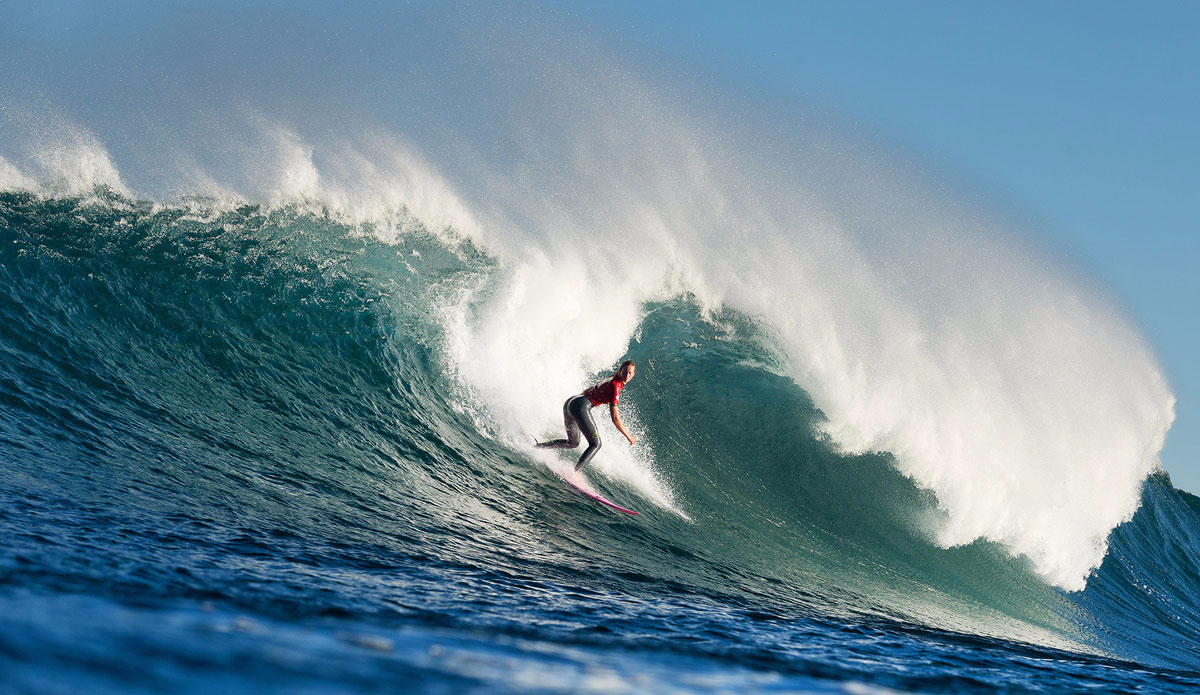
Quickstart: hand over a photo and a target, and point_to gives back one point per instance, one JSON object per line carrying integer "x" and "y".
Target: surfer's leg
{"x": 572, "y": 426}
{"x": 584, "y": 417}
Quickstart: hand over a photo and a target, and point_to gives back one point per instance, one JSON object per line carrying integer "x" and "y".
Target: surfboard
{"x": 577, "y": 481}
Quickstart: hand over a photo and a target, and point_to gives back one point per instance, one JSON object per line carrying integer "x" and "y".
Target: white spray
{"x": 1022, "y": 398}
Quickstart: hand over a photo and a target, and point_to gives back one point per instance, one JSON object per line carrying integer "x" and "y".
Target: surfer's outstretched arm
{"x": 616, "y": 418}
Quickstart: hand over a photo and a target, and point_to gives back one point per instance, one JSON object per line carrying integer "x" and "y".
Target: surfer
{"x": 577, "y": 414}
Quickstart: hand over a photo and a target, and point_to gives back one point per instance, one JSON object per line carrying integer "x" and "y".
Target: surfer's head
{"x": 625, "y": 372}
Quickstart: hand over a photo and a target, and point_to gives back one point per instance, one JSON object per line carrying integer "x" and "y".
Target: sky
{"x": 1076, "y": 119}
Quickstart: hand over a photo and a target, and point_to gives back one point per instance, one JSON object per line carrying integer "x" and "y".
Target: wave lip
{"x": 1033, "y": 415}
{"x": 60, "y": 158}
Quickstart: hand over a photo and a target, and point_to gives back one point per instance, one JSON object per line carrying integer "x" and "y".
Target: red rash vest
{"x": 608, "y": 391}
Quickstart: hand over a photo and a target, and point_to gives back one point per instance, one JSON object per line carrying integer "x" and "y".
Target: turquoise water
{"x": 240, "y": 449}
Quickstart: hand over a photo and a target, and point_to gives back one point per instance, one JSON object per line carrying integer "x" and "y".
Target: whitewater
{"x": 270, "y": 379}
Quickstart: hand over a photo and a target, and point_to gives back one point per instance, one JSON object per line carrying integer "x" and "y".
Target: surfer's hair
{"x": 622, "y": 372}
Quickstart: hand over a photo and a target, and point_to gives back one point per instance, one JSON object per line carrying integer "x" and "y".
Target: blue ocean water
{"x": 237, "y": 455}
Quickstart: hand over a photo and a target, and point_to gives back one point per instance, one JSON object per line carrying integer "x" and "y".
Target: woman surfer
{"x": 577, "y": 414}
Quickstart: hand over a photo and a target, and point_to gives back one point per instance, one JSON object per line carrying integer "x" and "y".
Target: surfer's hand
{"x": 632, "y": 440}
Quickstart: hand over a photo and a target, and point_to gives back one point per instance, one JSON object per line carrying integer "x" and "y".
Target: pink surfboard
{"x": 578, "y": 482}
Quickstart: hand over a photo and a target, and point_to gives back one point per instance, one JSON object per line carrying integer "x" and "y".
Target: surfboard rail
{"x": 577, "y": 481}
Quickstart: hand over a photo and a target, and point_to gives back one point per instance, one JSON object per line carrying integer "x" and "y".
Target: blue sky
{"x": 1077, "y": 118}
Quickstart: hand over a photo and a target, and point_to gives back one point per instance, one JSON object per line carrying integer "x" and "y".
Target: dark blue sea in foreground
{"x": 233, "y": 459}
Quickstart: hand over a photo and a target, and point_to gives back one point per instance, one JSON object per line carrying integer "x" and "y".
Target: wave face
{"x": 263, "y": 434}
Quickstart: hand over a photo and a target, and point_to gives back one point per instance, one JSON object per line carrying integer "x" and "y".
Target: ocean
{"x": 238, "y": 453}
{"x": 288, "y": 293}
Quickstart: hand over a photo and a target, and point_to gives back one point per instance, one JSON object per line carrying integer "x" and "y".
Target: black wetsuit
{"x": 577, "y": 416}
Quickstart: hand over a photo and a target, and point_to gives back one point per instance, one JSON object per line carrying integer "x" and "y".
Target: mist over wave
{"x": 1025, "y": 401}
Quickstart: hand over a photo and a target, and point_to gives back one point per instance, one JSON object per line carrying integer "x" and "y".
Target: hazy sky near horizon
{"x": 1077, "y": 119}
